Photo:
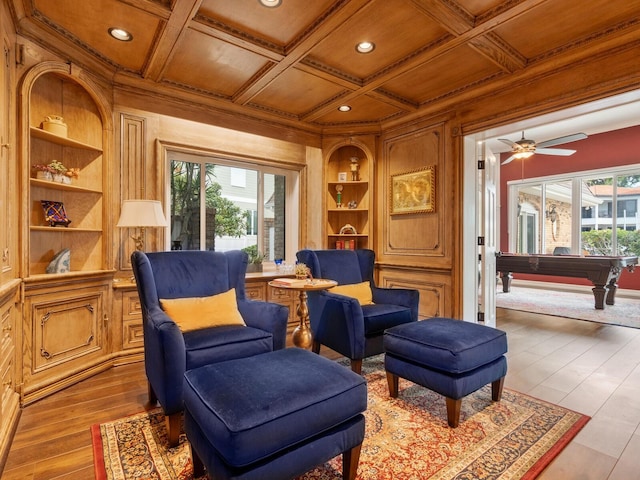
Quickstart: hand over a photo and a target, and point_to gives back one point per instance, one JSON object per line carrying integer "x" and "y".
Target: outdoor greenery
{"x": 255, "y": 256}
{"x": 599, "y": 242}
{"x": 185, "y": 203}
{"x": 623, "y": 181}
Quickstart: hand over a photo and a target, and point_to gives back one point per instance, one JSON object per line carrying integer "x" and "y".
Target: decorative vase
{"x": 58, "y": 177}
{"x": 44, "y": 175}
{"x": 66, "y": 180}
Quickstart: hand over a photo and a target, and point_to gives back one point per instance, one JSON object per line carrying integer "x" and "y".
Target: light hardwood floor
{"x": 588, "y": 367}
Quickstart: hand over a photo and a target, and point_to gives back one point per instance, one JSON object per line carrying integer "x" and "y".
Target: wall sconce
{"x": 551, "y": 214}
{"x": 141, "y": 214}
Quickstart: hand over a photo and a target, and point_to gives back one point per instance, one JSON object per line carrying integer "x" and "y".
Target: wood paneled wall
{"x": 416, "y": 250}
{"x": 144, "y": 137}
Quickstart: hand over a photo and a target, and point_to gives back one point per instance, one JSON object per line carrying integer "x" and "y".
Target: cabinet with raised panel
{"x": 9, "y": 398}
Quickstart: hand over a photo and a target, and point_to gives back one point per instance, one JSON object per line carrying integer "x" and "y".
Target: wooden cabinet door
{"x": 66, "y": 325}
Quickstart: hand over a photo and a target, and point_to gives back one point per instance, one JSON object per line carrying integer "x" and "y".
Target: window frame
{"x": 576, "y": 179}
{"x": 292, "y": 172}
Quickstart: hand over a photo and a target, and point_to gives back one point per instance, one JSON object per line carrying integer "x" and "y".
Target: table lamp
{"x": 141, "y": 214}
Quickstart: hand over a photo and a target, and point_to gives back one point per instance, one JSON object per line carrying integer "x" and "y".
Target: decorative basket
{"x": 55, "y": 124}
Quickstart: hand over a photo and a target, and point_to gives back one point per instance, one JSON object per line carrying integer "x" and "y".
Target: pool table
{"x": 602, "y": 271}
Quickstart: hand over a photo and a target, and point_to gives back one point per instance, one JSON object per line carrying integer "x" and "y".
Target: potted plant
{"x": 58, "y": 170}
{"x": 255, "y": 259}
{"x": 302, "y": 271}
{"x": 43, "y": 172}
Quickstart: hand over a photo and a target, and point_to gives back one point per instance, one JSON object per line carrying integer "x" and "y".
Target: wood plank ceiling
{"x": 297, "y": 63}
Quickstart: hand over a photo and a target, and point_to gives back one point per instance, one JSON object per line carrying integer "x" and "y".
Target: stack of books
{"x": 288, "y": 282}
{"x": 345, "y": 244}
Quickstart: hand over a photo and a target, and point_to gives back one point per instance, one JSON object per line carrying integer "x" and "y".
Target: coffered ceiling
{"x": 297, "y": 63}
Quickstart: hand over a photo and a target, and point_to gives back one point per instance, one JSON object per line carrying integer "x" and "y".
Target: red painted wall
{"x": 610, "y": 149}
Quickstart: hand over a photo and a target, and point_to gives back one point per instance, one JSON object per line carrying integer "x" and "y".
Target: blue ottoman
{"x": 450, "y": 357}
{"x": 274, "y": 415}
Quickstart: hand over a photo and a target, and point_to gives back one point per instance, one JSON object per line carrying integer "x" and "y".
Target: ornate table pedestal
{"x": 302, "y": 335}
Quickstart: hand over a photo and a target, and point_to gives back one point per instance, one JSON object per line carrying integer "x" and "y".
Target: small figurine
{"x": 352, "y": 204}
{"x": 339, "y": 196}
{"x": 354, "y": 169}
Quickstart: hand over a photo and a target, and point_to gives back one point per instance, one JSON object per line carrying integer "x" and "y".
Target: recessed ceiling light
{"x": 344, "y": 108}
{"x": 120, "y": 34}
{"x": 271, "y": 3}
{"x": 365, "y": 47}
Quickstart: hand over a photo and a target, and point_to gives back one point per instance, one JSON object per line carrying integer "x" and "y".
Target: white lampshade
{"x": 141, "y": 213}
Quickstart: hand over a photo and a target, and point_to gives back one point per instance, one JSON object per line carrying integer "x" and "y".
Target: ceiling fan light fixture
{"x": 365, "y": 47}
{"x": 521, "y": 155}
{"x": 270, "y": 3}
{"x": 120, "y": 34}
{"x": 344, "y": 108}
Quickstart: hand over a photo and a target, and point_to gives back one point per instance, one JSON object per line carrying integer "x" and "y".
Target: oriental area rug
{"x": 406, "y": 438}
{"x": 571, "y": 304}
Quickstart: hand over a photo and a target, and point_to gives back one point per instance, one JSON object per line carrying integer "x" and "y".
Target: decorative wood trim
{"x": 132, "y": 176}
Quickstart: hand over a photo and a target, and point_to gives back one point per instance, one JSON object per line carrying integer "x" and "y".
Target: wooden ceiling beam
{"x": 302, "y": 48}
{"x": 393, "y": 100}
{"x": 487, "y": 26}
{"x": 451, "y": 16}
{"x": 154, "y": 8}
{"x": 168, "y": 37}
{"x": 499, "y": 52}
{"x": 202, "y": 25}
{"x": 458, "y": 21}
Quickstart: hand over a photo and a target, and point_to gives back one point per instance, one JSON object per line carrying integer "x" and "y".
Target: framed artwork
{"x": 342, "y": 176}
{"x": 414, "y": 191}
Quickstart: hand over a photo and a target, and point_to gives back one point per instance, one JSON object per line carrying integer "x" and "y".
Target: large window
{"x": 591, "y": 213}
{"x": 221, "y": 204}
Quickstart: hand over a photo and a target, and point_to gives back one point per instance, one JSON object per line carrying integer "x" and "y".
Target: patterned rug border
{"x": 532, "y": 471}
{"x": 560, "y": 445}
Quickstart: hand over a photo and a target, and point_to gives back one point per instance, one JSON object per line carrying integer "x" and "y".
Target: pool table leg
{"x": 599, "y": 291}
{"x": 612, "y": 287}
{"x": 506, "y": 281}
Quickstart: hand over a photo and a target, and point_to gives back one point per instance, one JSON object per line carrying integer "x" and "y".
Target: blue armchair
{"x": 340, "y": 322}
{"x": 169, "y": 352}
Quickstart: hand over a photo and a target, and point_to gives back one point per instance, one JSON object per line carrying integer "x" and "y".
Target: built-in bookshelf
{"x": 348, "y": 215}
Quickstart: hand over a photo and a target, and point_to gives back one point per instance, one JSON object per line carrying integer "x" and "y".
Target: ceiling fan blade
{"x": 508, "y": 142}
{"x": 563, "y": 152}
{"x": 560, "y": 140}
{"x": 508, "y": 160}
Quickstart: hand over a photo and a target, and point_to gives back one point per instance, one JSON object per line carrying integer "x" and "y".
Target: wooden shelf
{"x": 35, "y": 182}
{"x": 342, "y": 210}
{"x": 39, "y": 278}
{"x": 348, "y": 235}
{"x": 65, "y": 141}
{"x": 42, "y": 228}
{"x": 349, "y": 182}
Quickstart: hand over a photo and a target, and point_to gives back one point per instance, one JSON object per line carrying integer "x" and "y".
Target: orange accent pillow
{"x": 359, "y": 291}
{"x": 194, "y": 313}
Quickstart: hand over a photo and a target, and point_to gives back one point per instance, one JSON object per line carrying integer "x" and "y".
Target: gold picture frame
{"x": 414, "y": 191}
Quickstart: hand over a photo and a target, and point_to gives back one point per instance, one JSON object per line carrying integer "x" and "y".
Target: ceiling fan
{"x": 524, "y": 147}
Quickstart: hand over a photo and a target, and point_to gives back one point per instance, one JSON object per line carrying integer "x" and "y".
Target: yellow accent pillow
{"x": 359, "y": 291}
{"x": 194, "y": 313}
